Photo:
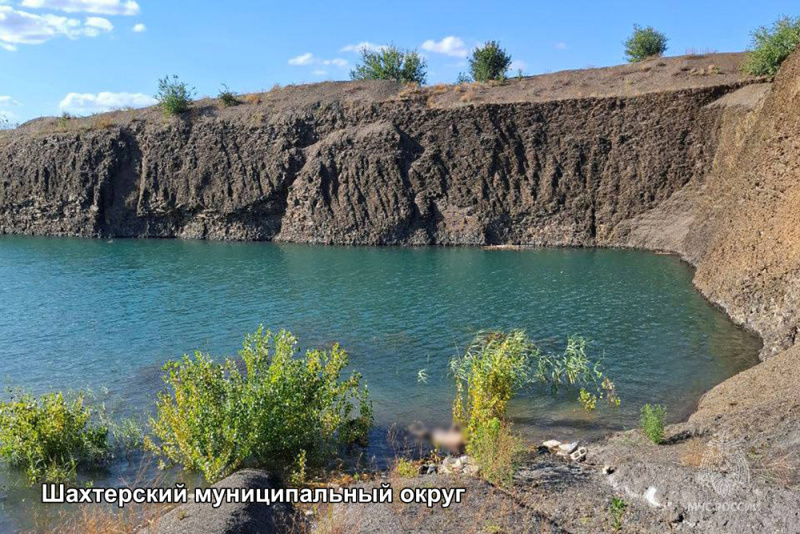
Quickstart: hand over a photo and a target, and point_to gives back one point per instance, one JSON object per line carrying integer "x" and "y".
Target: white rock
{"x": 650, "y": 496}
{"x": 568, "y": 448}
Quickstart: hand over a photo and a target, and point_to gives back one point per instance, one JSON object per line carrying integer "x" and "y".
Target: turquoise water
{"x": 107, "y": 314}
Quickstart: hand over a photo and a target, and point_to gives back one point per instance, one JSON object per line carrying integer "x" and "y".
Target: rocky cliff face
{"x": 701, "y": 167}
{"x": 740, "y": 223}
{"x": 751, "y": 265}
{"x": 554, "y": 173}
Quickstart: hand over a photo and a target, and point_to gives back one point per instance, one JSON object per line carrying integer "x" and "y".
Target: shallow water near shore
{"x": 106, "y": 315}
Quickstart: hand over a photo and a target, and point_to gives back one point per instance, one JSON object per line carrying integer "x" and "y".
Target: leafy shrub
{"x": 771, "y": 46}
{"x": 497, "y": 451}
{"x": 174, "y": 96}
{"x": 215, "y": 418}
{"x": 405, "y": 468}
{"x": 489, "y": 62}
{"x": 227, "y": 97}
{"x": 50, "y": 437}
{"x": 652, "y": 422}
{"x": 298, "y": 473}
{"x": 126, "y": 436}
{"x": 391, "y": 63}
{"x": 570, "y": 368}
{"x": 645, "y": 43}
{"x": 588, "y": 400}
{"x": 64, "y": 120}
{"x": 493, "y": 369}
{"x": 497, "y": 365}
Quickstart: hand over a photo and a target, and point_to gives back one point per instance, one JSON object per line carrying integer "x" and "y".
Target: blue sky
{"x": 84, "y": 56}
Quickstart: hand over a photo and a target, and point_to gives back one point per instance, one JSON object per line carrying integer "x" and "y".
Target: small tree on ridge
{"x": 645, "y": 43}
{"x": 489, "y": 62}
{"x": 391, "y": 63}
{"x": 771, "y": 46}
{"x": 174, "y": 96}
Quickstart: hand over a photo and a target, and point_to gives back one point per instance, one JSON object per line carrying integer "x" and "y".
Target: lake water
{"x": 107, "y": 314}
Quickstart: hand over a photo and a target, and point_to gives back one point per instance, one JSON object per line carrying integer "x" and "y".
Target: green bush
{"x": 771, "y": 46}
{"x": 227, "y": 97}
{"x": 494, "y": 368}
{"x": 652, "y": 422}
{"x": 645, "y": 43}
{"x": 405, "y": 468}
{"x": 391, "y": 63}
{"x": 216, "y": 418}
{"x": 489, "y": 62}
{"x": 588, "y": 400}
{"x": 174, "y": 96}
{"x": 497, "y": 451}
{"x": 64, "y": 120}
{"x": 497, "y": 365}
{"x": 488, "y": 375}
{"x": 50, "y": 437}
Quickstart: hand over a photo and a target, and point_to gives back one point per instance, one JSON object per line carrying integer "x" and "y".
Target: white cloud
{"x": 20, "y": 27}
{"x": 319, "y": 72}
{"x": 100, "y": 24}
{"x": 86, "y": 103}
{"x": 372, "y": 47}
{"x": 304, "y": 59}
{"x": 337, "y": 62}
{"x": 518, "y": 64}
{"x": 7, "y": 102}
{"x": 449, "y": 46}
{"x": 97, "y": 7}
{"x": 560, "y": 46}
{"x": 309, "y": 59}
{"x": 139, "y": 28}
{"x": 6, "y": 115}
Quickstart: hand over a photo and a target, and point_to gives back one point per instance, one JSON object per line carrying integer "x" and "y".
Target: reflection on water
{"x": 82, "y": 313}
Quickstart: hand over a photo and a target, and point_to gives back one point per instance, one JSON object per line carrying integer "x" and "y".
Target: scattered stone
{"x": 650, "y": 497}
{"x": 578, "y": 455}
{"x": 568, "y": 448}
{"x": 607, "y": 470}
{"x": 573, "y": 450}
{"x": 551, "y": 444}
{"x": 459, "y": 465}
{"x": 471, "y": 469}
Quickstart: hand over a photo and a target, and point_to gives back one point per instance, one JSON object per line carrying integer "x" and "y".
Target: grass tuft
{"x": 652, "y": 422}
